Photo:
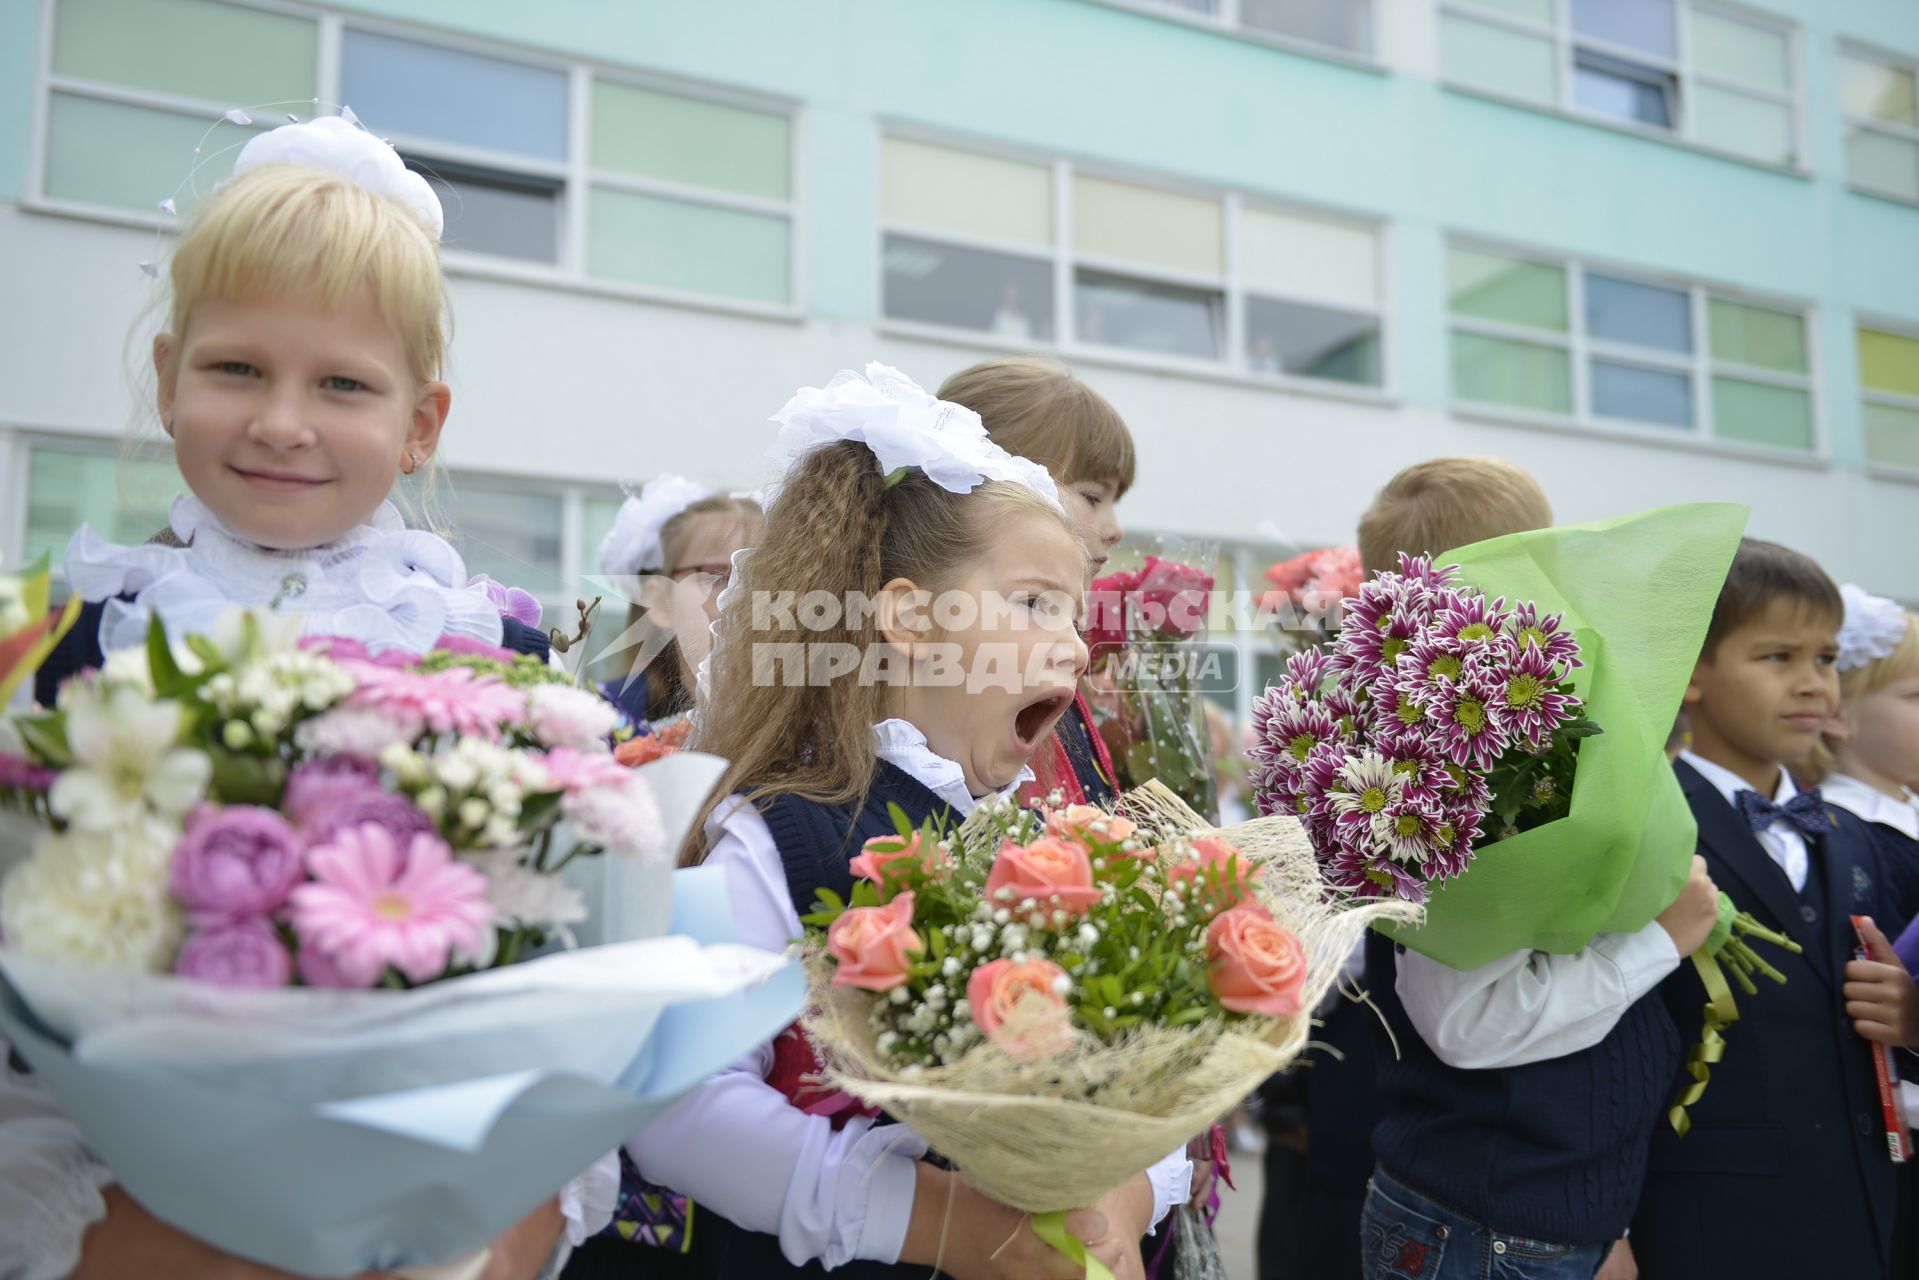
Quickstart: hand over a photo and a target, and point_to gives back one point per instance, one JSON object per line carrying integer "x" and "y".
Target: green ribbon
{"x": 1051, "y": 1227}
{"x": 1726, "y": 942}
{"x": 1721, "y": 1013}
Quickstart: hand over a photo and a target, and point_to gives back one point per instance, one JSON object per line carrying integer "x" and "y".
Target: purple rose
{"x": 321, "y": 785}
{"x": 234, "y": 863}
{"x": 396, "y": 813}
{"x": 317, "y": 969}
{"x": 245, "y": 953}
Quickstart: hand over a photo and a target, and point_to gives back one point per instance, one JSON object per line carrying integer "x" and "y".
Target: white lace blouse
{"x": 385, "y": 585}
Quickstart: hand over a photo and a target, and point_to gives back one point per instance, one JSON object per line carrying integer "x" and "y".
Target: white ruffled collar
{"x": 901, "y": 744}
{"x": 1872, "y": 804}
{"x": 385, "y": 585}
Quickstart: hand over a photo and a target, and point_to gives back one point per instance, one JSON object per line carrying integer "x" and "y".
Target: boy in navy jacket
{"x": 1785, "y": 1172}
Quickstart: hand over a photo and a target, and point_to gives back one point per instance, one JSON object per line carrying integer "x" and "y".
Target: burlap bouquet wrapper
{"x": 1060, "y": 1132}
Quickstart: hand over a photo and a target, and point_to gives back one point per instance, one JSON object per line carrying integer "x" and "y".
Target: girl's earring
{"x": 412, "y": 462}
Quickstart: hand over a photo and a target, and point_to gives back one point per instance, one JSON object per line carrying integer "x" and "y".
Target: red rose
{"x": 1174, "y": 598}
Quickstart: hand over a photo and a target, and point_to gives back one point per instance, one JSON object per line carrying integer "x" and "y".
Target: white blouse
{"x": 1872, "y": 804}
{"x": 736, "y": 1145}
{"x": 385, "y": 585}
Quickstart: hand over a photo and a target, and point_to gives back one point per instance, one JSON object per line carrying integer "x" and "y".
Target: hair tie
{"x": 1874, "y": 626}
{"x": 338, "y": 145}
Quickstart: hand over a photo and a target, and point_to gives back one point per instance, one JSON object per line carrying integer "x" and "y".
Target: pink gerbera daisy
{"x": 458, "y": 700}
{"x": 373, "y": 903}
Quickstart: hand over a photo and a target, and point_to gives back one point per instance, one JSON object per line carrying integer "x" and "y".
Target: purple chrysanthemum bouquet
{"x": 1436, "y": 722}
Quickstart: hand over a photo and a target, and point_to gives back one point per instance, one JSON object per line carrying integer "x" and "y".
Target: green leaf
{"x": 901, "y": 823}
{"x": 937, "y": 941}
{"x": 47, "y": 736}
{"x": 830, "y": 901}
{"x": 168, "y": 680}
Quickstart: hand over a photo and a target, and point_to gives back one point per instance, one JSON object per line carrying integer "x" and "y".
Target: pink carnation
{"x": 572, "y": 770}
{"x": 374, "y": 903}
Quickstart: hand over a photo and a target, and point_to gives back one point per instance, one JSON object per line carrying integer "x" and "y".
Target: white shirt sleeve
{"x": 736, "y": 1145}
{"x": 50, "y": 1182}
{"x": 1172, "y": 1180}
{"x": 1531, "y": 1006}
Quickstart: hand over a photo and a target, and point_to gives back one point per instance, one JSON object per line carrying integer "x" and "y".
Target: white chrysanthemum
{"x": 97, "y": 898}
{"x": 624, "y": 820}
{"x": 562, "y": 716}
{"x": 524, "y": 898}
{"x": 125, "y": 762}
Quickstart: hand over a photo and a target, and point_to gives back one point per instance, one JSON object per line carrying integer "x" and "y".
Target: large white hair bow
{"x": 632, "y": 545}
{"x": 1873, "y": 628}
{"x": 904, "y": 426}
{"x": 339, "y": 146}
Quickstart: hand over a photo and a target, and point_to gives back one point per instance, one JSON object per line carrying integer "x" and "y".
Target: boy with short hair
{"x": 1785, "y": 1170}
{"x": 1520, "y": 1097}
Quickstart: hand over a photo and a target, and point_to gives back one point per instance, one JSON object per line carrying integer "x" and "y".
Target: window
{"x": 663, "y": 190}
{"x": 1703, "y": 71}
{"x": 138, "y": 91}
{"x": 1583, "y": 342}
{"x": 489, "y": 132}
{"x": 126, "y": 500}
{"x": 1882, "y": 122}
{"x": 1889, "y": 386}
{"x": 690, "y": 195}
{"x": 980, "y": 243}
{"x": 511, "y": 534}
{"x": 1343, "y": 25}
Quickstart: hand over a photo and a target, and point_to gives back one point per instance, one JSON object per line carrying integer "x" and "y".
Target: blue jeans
{"x": 1404, "y": 1235}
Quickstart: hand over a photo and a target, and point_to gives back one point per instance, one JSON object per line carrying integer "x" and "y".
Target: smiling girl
{"x": 298, "y": 377}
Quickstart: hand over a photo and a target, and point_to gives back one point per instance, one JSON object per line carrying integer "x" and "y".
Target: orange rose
{"x": 882, "y": 852}
{"x": 874, "y": 946}
{"x": 1212, "y": 855}
{"x": 1256, "y": 965}
{"x": 1080, "y": 821}
{"x": 1044, "y": 870}
{"x": 1043, "y": 1026}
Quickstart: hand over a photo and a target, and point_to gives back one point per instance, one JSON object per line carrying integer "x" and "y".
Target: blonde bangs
{"x": 282, "y": 230}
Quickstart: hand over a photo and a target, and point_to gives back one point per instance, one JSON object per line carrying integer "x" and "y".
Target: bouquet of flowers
{"x": 1500, "y": 757}
{"x": 655, "y": 741}
{"x": 1436, "y": 712}
{"x": 267, "y": 896}
{"x": 1316, "y": 580}
{"x": 1142, "y": 628}
{"x": 1056, "y": 999}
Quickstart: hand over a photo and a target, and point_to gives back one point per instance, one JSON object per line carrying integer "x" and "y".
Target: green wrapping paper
{"x": 1638, "y": 591}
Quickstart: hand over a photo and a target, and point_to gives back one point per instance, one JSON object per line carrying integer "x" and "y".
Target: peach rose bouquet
{"x": 1055, "y": 997}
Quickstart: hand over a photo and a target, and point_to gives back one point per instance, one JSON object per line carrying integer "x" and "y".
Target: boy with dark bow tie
{"x": 1785, "y": 1172}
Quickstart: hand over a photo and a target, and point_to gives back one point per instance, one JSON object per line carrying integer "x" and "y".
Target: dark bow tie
{"x": 1806, "y": 811}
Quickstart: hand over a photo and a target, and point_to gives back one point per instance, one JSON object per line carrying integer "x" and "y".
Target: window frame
{"x": 1065, "y": 263}
{"x": 1891, "y": 399}
{"x": 1699, "y": 365}
{"x": 575, "y": 174}
{"x": 1861, "y": 52}
{"x": 1568, "y": 43}
{"x": 1225, "y": 20}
